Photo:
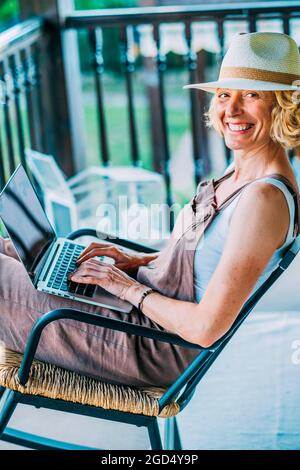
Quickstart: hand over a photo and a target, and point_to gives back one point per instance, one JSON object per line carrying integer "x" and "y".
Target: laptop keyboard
{"x": 66, "y": 264}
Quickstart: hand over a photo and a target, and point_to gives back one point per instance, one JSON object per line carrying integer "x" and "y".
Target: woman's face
{"x": 244, "y": 117}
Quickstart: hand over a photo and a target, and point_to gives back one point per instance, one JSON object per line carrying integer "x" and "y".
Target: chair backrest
{"x": 184, "y": 387}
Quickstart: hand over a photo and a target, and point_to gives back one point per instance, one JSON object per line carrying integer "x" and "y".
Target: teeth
{"x": 236, "y": 127}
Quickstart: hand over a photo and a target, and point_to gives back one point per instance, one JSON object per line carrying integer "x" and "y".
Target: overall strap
{"x": 277, "y": 176}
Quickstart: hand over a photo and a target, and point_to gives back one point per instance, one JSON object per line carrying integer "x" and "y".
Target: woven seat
{"x": 54, "y": 382}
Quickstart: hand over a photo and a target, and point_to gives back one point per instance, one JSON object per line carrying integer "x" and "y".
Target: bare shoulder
{"x": 266, "y": 192}
{"x": 264, "y": 197}
{"x": 263, "y": 207}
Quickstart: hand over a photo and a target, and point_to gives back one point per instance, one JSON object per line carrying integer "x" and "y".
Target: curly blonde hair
{"x": 285, "y": 127}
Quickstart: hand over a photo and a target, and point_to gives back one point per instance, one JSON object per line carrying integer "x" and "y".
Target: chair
{"x": 28, "y": 381}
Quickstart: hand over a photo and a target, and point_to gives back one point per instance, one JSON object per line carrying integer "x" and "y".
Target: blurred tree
{"x": 9, "y": 12}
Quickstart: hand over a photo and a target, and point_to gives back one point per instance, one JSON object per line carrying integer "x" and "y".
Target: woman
{"x": 224, "y": 244}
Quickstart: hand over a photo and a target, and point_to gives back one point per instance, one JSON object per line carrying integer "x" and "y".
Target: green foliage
{"x": 8, "y": 9}
{"x": 95, "y": 4}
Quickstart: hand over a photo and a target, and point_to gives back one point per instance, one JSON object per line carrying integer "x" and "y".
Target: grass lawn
{"x": 118, "y": 134}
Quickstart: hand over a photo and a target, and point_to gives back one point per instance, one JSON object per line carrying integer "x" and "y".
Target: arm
{"x": 258, "y": 227}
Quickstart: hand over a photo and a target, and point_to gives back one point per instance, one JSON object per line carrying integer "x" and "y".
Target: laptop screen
{"x": 24, "y": 219}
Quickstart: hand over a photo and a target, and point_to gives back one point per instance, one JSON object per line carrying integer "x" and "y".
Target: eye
{"x": 223, "y": 94}
{"x": 252, "y": 94}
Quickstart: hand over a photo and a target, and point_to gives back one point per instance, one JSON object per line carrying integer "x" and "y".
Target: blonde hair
{"x": 285, "y": 127}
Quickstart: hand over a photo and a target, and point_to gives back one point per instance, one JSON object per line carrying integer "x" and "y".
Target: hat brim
{"x": 242, "y": 84}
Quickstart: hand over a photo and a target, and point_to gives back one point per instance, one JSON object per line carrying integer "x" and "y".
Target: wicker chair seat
{"x": 51, "y": 381}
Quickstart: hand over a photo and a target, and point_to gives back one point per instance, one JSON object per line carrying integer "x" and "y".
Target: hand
{"x": 127, "y": 262}
{"x": 107, "y": 276}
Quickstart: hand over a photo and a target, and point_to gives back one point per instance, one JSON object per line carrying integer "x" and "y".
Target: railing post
{"x": 60, "y": 82}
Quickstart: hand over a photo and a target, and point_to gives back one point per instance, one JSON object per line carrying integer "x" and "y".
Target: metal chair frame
{"x": 181, "y": 391}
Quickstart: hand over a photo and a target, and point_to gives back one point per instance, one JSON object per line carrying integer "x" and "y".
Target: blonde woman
{"x": 225, "y": 243}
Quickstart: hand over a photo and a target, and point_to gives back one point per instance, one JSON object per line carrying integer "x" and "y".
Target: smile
{"x": 239, "y": 127}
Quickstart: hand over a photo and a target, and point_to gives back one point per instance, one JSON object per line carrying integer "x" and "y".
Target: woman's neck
{"x": 251, "y": 165}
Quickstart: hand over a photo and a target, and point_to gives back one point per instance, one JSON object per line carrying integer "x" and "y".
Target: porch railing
{"x": 21, "y": 100}
{"x": 52, "y": 116}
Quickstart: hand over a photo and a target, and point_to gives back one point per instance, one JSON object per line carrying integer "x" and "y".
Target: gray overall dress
{"x": 102, "y": 353}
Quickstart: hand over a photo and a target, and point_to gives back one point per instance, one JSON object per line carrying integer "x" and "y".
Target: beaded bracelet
{"x": 144, "y": 294}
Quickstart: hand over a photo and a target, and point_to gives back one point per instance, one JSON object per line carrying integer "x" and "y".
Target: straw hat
{"x": 258, "y": 61}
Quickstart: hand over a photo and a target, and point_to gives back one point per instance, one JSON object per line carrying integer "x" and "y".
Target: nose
{"x": 233, "y": 107}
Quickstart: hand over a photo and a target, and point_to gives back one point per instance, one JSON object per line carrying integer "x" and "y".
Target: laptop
{"x": 48, "y": 259}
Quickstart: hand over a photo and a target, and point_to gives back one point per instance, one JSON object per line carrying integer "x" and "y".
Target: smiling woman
{"x": 281, "y": 114}
{"x": 198, "y": 284}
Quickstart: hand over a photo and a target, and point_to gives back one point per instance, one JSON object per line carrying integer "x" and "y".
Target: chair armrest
{"x": 82, "y": 232}
{"x": 92, "y": 319}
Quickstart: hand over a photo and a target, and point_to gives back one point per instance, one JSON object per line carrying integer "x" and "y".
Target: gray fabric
{"x": 90, "y": 350}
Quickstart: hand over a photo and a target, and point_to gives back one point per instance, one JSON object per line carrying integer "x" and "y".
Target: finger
{"x": 109, "y": 251}
{"x": 85, "y": 280}
{"x": 92, "y": 246}
{"x": 99, "y": 263}
{"x": 88, "y": 276}
{"x": 95, "y": 264}
{"x": 90, "y": 254}
{"x": 94, "y": 267}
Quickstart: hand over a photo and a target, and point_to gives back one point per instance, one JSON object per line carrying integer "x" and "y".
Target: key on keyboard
{"x": 66, "y": 264}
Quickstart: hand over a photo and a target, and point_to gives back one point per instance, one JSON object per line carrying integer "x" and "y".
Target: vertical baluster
{"x": 221, "y": 39}
{"x": 4, "y": 77}
{"x": 41, "y": 133}
{"x": 161, "y": 68}
{"x": 28, "y": 66}
{"x": 199, "y": 137}
{"x": 128, "y": 65}
{"x": 96, "y": 44}
{"x": 2, "y": 172}
{"x": 286, "y": 23}
{"x": 252, "y": 23}
{"x": 17, "y": 74}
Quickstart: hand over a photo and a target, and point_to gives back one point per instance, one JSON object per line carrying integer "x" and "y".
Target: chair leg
{"x": 7, "y": 409}
{"x": 172, "y": 439}
{"x": 154, "y": 436}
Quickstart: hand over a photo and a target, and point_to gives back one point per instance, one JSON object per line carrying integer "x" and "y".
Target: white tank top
{"x": 210, "y": 248}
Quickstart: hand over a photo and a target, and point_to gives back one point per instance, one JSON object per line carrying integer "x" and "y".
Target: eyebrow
{"x": 249, "y": 91}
